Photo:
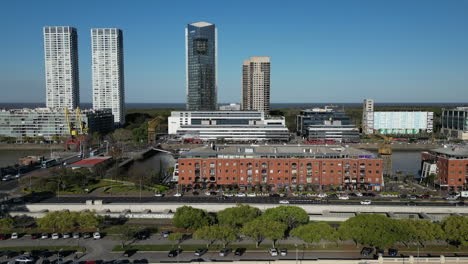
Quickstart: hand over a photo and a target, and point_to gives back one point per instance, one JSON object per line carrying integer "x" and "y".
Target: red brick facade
{"x": 281, "y": 172}
{"x": 451, "y": 173}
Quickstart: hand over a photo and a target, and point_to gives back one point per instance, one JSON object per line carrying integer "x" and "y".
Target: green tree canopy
{"x": 65, "y": 220}
{"x": 412, "y": 230}
{"x": 292, "y": 216}
{"x": 370, "y": 229}
{"x": 260, "y": 228}
{"x": 7, "y": 222}
{"x": 191, "y": 218}
{"x": 224, "y": 234}
{"x": 176, "y": 237}
{"x": 315, "y": 232}
{"x": 455, "y": 229}
{"x": 238, "y": 216}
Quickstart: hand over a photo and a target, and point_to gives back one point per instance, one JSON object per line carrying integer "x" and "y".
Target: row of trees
{"x": 65, "y": 220}
{"x": 283, "y": 221}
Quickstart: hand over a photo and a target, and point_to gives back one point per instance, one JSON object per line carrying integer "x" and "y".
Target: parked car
{"x": 284, "y": 252}
{"x": 178, "y": 195}
{"x": 76, "y": 235}
{"x": 366, "y": 251}
{"x": 228, "y": 194}
{"x": 44, "y": 236}
{"x": 66, "y": 235}
{"x": 451, "y": 198}
{"x": 165, "y": 234}
{"x": 86, "y": 235}
{"x": 55, "y": 236}
{"x": 380, "y": 251}
{"x": 200, "y": 252}
{"x": 343, "y": 197}
{"x": 3, "y": 236}
{"x": 284, "y": 202}
{"x": 14, "y": 235}
{"x": 35, "y": 236}
{"x": 224, "y": 252}
{"x": 358, "y": 194}
{"x": 239, "y": 251}
{"x": 25, "y": 259}
{"x": 426, "y": 196}
{"x": 129, "y": 252}
{"x": 251, "y": 195}
{"x": 241, "y": 195}
{"x": 97, "y": 235}
{"x": 159, "y": 194}
{"x": 366, "y": 202}
{"x": 273, "y": 252}
{"x": 393, "y": 252}
{"x": 174, "y": 253}
{"x": 143, "y": 234}
{"x": 322, "y": 195}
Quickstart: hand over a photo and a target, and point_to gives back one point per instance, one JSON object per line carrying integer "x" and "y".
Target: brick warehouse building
{"x": 451, "y": 166}
{"x": 279, "y": 166}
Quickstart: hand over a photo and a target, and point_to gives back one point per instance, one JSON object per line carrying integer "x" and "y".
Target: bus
{"x": 49, "y": 163}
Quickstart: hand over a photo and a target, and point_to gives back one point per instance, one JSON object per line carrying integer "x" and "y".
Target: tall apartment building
{"x": 256, "y": 84}
{"x": 368, "y": 116}
{"x": 455, "y": 122}
{"x": 108, "y": 71}
{"x": 201, "y": 54}
{"x": 61, "y": 67}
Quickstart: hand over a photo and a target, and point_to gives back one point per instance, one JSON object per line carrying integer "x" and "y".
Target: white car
{"x": 228, "y": 194}
{"x": 24, "y": 259}
{"x": 358, "y": 194}
{"x": 366, "y": 202}
{"x": 44, "y": 236}
{"x": 158, "y": 194}
{"x": 322, "y": 195}
{"x": 451, "y": 198}
{"x": 55, "y": 236}
{"x": 14, "y": 236}
{"x": 241, "y": 195}
{"x": 284, "y": 202}
{"x": 178, "y": 195}
{"x": 343, "y": 197}
{"x": 251, "y": 195}
{"x": 273, "y": 252}
{"x": 66, "y": 235}
{"x": 97, "y": 235}
{"x": 207, "y": 193}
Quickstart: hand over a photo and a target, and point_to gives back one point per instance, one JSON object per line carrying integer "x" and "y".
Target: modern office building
{"x": 228, "y": 125}
{"x": 230, "y": 107}
{"x": 280, "y": 166}
{"x": 108, "y": 71}
{"x": 201, "y": 59}
{"x": 256, "y": 84}
{"x": 395, "y": 122}
{"x": 47, "y": 122}
{"x": 61, "y": 67}
{"x": 455, "y": 123}
{"x": 329, "y": 123}
{"x": 451, "y": 166}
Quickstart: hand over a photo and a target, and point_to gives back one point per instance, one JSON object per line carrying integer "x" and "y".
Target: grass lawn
{"x": 50, "y": 248}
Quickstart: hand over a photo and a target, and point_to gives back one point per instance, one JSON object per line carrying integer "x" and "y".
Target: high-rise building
{"x": 108, "y": 71}
{"x": 368, "y": 116}
{"x": 61, "y": 67}
{"x": 201, "y": 66}
{"x": 256, "y": 84}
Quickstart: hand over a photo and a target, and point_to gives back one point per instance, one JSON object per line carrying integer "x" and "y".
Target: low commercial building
{"x": 47, "y": 122}
{"x": 228, "y": 125}
{"x": 395, "y": 122}
{"x": 280, "y": 166}
{"x": 230, "y": 107}
{"x": 451, "y": 166}
{"x": 455, "y": 123}
{"x": 91, "y": 162}
{"x": 326, "y": 123}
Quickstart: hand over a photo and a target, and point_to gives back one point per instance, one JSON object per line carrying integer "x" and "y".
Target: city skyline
{"x": 392, "y": 52}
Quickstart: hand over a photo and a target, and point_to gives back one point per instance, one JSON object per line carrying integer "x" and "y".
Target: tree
{"x": 191, "y": 218}
{"x": 455, "y": 229}
{"x": 126, "y": 233}
{"x": 292, "y": 216}
{"x": 7, "y": 222}
{"x": 176, "y": 237}
{"x": 260, "y": 228}
{"x": 370, "y": 229}
{"x": 315, "y": 232}
{"x": 88, "y": 220}
{"x": 205, "y": 233}
{"x": 225, "y": 234}
{"x": 419, "y": 231}
{"x": 61, "y": 220}
{"x": 238, "y": 216}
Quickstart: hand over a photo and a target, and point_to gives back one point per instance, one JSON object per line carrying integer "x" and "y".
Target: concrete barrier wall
{"x": 215, "y": 207}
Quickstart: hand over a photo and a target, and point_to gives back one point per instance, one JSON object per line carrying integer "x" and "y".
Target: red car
{"x": 90, "y": 262}
{"x": 3, "y": 237}
{"x": 426, "y": 196}
{"x": 35, "y": 236}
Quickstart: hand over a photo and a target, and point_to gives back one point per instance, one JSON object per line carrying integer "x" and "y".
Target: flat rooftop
{"x": 90, "y": 162}
{"x": 452, "y": 151}
{"x": 280, "y": 150}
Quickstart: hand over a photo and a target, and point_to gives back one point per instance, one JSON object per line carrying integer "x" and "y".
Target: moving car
{"x": 239, "y": 251}
{"x": 55, "y": 236}
{"x": 224, "y": 252}
{"x": 366, "y": 202}
{"x": 284, "y": 202}
{"x": 200, "y": 252}
{"x": 284, "y": 252}
{"x": 393, "y": 252}
{"x": 366, "y": 251}
{"x": 174, "y": 253}
{"x": 97, "y": 235}
{"x": 273, "y": 252}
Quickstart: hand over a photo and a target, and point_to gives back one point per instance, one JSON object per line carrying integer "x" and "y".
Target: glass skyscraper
{"x": 201, "y": 66}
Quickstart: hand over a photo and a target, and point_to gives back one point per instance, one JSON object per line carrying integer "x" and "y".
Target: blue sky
{"x": 321, "y": 51}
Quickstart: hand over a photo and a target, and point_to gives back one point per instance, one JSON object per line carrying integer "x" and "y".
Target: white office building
{"x": 256, "y": 84}
{"x": 108, "y": 71}
{"x": 228, "y": 125}
{"x": 61, "y": 67}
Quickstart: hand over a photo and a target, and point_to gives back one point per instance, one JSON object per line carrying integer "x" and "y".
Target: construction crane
{"x": 77, "y": 130}
{"x": 153, "y": 126}
{"x": 385, "y": 151}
